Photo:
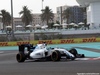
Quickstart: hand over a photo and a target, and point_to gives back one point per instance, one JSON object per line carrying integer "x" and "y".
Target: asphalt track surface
{"x": 9, "y": 66}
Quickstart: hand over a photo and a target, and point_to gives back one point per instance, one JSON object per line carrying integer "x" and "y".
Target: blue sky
{"x": 34, "y": 5}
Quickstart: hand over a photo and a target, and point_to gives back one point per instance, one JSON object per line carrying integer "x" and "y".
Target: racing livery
{"x": 42, "y": 51}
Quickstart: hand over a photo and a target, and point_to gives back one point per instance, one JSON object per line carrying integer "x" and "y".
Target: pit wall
{"x": 61, "y": 41}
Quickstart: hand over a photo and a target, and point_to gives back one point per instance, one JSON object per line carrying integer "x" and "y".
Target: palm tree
{"x": 47, "y": 15}
{"x": 66, "y": 14}
{"x": 3, "y": 13}
{"x": 83, "y": 9}
{"x": 26, "y": 15}
{"x": 6, "y": 18}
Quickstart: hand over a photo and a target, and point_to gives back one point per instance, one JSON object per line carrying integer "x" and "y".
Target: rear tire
{"x": 56, "y": 56}
{"x": 20, "y": 57}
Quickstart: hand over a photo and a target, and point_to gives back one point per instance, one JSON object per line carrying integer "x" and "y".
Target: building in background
{"x": 93, "y": 12}
{"x": 36, "y": 19}
{"x": 55, "y": 18}
{"x": 17, "y": 21}
{"x": 60, "y": 10}
{"x": 76, "y": 16}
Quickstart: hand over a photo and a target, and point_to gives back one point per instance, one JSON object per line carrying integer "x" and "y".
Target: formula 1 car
{"x": 41, "y": 51}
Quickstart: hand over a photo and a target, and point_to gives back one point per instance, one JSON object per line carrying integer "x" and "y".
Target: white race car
{"x": 42, "y": 51}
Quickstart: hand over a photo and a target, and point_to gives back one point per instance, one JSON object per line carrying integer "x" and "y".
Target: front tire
{"x": 56, "y": 56}
{"x": 20, "y": 57}
{"x": 74, "y": 52}
{"x": 72, "y": 58}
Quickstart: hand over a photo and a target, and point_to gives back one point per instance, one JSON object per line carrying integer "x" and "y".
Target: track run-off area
{"x": 90, "y": 65}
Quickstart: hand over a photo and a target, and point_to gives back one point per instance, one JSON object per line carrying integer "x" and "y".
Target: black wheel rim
{"x": 54, "y": 56}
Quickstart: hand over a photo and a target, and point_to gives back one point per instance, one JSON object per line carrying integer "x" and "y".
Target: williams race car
{"x": 42, "y": 51}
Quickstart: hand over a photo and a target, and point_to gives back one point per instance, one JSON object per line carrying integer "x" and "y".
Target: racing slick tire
{"x": 56, "y": 55}
{"x": 73, "y": 51}
{"x": 20, "y": 57}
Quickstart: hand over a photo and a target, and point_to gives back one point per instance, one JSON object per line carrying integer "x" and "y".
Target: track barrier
{"x": 58, "y": 41}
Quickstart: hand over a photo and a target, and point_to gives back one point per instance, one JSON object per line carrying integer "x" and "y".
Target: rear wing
{"x": 23, "y": 46}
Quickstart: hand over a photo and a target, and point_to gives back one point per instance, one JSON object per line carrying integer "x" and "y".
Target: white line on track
{"x": 97, "y": 58}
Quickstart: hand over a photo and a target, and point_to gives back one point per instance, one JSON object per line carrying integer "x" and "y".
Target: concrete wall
{"x": 96, "y": 13}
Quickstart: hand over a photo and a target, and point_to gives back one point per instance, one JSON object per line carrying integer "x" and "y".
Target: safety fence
{"x": 61, "y": 41}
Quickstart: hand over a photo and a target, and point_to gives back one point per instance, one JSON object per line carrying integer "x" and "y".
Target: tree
{"x": 66, "y": 14}
{"x": 85, "y": 19}
{"x": 26, "y": 15}
{"x": 6, "y": 18}
{"x": 83, "y": 9}
{"x": 47, "y": 15}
